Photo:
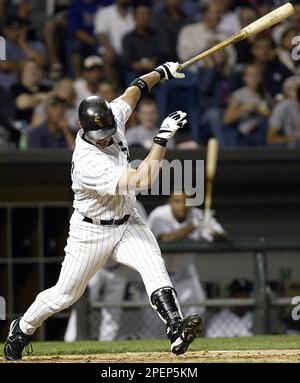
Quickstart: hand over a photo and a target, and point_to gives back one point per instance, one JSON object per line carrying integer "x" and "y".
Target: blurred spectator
{"x": 292, "y": 22}
{"x": 92, "y": 76}
{"x": 54, "y": 34}
{"x": 141, "y": 46}
{"x": 189, "y": 7}
{"x": 284, "y": 51}
{"x": 284, "y": 123}
{"x": 142, "y": 135}
{"x": 265, "y": 6}
{"x": 82, "y": 40}
{"x": 64, "y": 90}
{"x": 290, "y": 86}
{"x": 8, "y": 133}
{"x": 248, "y": 110}
{"x": 234, "y": 321}
{"x": 176, "y": 221}
{"x": 18, "y": 48}
{"x": 107, "y": 91}
{"x": 31, "y": 12}
{"x": 247, "y": 15}
{"x": 7, "y": 9}
{"x": 274, "y": 73}
{"x": 214, "y": 88}
{"x": 229, "y": 23}
{"x": 55, "y": 131}
{"x": 10, "y": 9}
{"x": 30, "y": 91}
{"x": 167, "y": 22}
{"x": 26, "y": 9}
{"x": 111, "y": 25}
{"x": 195, "y": 38}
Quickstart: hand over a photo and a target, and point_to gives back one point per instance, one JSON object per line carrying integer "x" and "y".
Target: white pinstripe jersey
{"x": 96, "y": 172}
{"x": 161, "y": 220}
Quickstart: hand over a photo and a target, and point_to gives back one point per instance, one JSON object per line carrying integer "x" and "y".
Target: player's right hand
{"x": 172, "y": 123}
{"x": 168, "y": 71}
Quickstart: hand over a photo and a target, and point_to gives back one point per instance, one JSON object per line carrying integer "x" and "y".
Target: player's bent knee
{"x": 57, "y": 300}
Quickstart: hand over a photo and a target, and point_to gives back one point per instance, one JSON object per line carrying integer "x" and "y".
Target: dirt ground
{"x": 165, "y": 357}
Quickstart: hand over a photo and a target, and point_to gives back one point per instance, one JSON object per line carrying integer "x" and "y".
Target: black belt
{"x": 110, "y": 221}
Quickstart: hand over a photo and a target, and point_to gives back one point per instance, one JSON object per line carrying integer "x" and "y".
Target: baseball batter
{"x": 105, "y": 223}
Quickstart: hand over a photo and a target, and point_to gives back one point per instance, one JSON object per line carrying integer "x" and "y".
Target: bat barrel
{"x": 257, "y": 26}
{"x": 223, "y": 44}
{"x": 269, "y": 19}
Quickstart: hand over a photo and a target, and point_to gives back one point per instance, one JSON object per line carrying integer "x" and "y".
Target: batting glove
{"x": 168, "y": 71}
{"x": 211, "y": 230}
{"x": 169, "y": 127}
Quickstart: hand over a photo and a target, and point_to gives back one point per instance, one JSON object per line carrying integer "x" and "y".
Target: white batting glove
{"x": 197, "y": 221}
{"x": 169, "y": 127}
{"x": 168, "y": 71}
{"x": 211, "y": 230}
{"x": 207, "y": 234}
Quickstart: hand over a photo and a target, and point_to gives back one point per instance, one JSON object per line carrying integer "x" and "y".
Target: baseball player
{"x": 111, "y": 281}
{"x": 105, "y": 223}
{"x": 176, "y": 221}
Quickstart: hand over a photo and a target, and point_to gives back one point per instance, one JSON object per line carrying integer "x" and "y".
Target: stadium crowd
{"x": 58, "y": 52}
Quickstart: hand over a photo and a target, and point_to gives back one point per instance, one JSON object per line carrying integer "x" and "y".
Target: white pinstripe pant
{"x": 88, "y": 248}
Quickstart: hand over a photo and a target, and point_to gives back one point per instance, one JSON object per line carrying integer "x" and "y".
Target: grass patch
{"x": 267, "y": 342}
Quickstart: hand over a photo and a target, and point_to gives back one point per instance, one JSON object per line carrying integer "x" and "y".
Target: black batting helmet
{"x": 96, "y": 118}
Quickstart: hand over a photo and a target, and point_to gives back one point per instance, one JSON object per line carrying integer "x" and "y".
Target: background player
{"x": 105, "y": 223}
{"x": 175, "y": 221}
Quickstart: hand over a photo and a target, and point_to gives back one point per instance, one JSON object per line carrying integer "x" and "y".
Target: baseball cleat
{"x": 184, "y": 333}
{"x": 16, "y": 342}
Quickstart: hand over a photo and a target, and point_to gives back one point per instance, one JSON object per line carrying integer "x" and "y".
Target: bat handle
{"x": 208, "y": 196}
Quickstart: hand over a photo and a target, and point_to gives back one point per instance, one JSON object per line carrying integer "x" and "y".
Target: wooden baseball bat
{"x": 257, "y": 26}
{"x": 211, "y": 164}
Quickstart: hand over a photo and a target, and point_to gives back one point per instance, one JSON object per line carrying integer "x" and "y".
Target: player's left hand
{"x": 169, "y": 70}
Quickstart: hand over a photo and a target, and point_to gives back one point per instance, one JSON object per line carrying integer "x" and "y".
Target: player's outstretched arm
{"x": 142, "y": 85}
{"x": 144, "y": 176}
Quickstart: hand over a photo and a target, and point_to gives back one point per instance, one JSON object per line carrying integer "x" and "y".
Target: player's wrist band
{"x": 142, "y": 85}
{"x": 164, "y": 72}
{"x": 160, "y": 141}
{"x": 161, "y": 73}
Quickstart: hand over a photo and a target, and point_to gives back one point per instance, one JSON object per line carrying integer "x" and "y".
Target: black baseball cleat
{"x": 183, "y": 332}
{"x": 16, "y": 342}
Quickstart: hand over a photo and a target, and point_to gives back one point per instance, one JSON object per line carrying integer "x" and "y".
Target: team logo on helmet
{"x": 99, "y": 122}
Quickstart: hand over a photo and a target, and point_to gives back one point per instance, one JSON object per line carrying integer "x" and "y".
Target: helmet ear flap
{"x": 95, "y": 135}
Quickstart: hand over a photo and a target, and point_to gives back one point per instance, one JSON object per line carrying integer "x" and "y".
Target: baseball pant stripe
{"x": 88, "y": 248}
{"x": 138, "y": 249}
{"x": 83, "y": 259}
